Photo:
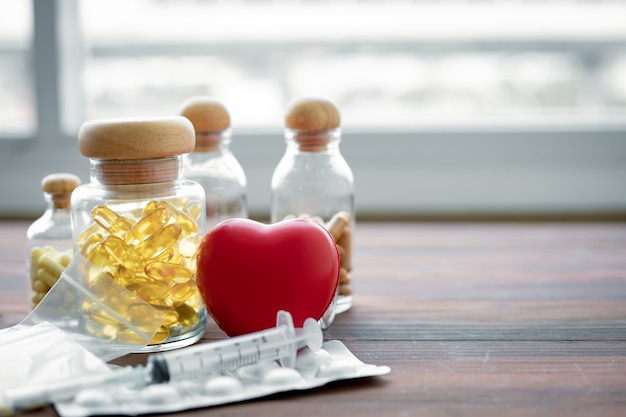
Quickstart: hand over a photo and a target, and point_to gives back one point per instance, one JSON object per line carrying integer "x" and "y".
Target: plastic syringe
{"x": 280, "y": 343}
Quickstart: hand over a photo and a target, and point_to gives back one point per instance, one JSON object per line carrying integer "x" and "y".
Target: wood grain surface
{"x": 474, "y": 319}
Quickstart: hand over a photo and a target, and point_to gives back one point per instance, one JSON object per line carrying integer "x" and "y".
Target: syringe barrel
{"x": 221, "y": 356}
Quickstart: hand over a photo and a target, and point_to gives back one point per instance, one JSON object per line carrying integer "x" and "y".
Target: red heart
{"x": 248, "y": 271}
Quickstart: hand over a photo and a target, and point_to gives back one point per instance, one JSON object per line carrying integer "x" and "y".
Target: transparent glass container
{"x": 212, "y": 164}
{"x": 313, "y": 180}
{"x": 49, "y": 238}
{"x": 141, "y": 221}
{"x": 222, "y": 177}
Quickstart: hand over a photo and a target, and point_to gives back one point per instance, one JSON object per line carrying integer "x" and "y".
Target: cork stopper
{"x": 136, "y": 138}
{"x": 312, "y": 119}
{"x": 60, "y": 186}
{"x": 206, "y": 114}
{"x": 209, "y": 118}
{"x": 312, "y": 114}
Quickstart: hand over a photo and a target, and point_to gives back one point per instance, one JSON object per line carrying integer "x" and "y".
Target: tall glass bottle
{"x": 49, "y": 238}
{"x": 313, "y": 180}
{"x": 212, "y": 164}
{"x": 141, "y": 221}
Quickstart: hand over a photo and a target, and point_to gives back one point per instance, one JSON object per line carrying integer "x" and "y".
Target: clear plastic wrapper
{"x": 62, "y": 337}
{"x": 94, "y": 310}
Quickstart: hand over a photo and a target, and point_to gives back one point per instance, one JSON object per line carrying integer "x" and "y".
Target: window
{"x": 387, "y": 63}
{"x": 17, "y": 109}
{"x": 449, "y": 107}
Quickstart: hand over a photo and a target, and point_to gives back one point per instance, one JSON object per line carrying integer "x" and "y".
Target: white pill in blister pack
{"x": 223, "y": 385}
{"x": 282, "y": 377}
{"x": 312, "y": 369}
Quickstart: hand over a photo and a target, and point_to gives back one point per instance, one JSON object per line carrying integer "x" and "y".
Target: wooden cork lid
{"x": 312, "y": 114}
{"x": 136, "y": 138}
{"x": 206, "y": 114}
{"x": 59, "y": 183}
{"x": 312, "y": 120}
{"x": 210, "y": 119}
{"x": 60, "y": 186}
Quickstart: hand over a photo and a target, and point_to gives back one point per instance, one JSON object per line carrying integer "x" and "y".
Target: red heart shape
{"x": 248, "y": 271}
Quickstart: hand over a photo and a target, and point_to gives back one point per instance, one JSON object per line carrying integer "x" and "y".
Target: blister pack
{"x": 313, "y": 368}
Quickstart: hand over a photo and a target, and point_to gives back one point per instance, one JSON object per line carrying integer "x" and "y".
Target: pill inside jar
{"x": 340, "y": 227}
{"x": 131, "y": 255}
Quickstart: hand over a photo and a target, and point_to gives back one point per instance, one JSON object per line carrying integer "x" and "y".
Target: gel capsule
{"x": 167, "y": 272}
{"x": 111, "y": 221}
{"x": 128, "y": 336}
{"x": 186, "y": 223}
{"x": 170, "y": 315}
{"x": 138, "y": 312}
{"x": 160, "y": 336}
{"x": 148, "y": 225}
{"x": 123, "y": 253}
{"x": 179, "y": 293}
{"x": 159, "y": 241}
{"x": 187, "y": 316}
{"x": 98, "y": 255}
{"x": 155, "y": 292}
{"x": 103, "y": 331}
{"x": 100, "y": 315}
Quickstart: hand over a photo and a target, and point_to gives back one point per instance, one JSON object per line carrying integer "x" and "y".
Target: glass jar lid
{"x": 136, "y": 138}
{"x": 210, "y": 119}
{"x": 59, "y": 183}
{"x": 312, "y": 123}
{"x": 60, "y": 186}
{"x": 312, "y": 114}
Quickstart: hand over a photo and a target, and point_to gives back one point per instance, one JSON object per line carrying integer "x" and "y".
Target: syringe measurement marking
{"x": 222, "y": 359}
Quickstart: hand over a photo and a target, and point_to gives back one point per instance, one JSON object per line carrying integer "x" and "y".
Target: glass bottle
{"x": 141, "y": 221}
{"x": 212, "y": 164}
{"x": 49, "y": 238}
{"x": 314, "y": 180}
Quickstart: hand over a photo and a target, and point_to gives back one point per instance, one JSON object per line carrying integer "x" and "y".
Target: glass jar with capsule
{"x": 212, "y": 164}
{"x": 141, "y": 221}
{"x": 49, "y": 238}
{"x": 314, "y": 181}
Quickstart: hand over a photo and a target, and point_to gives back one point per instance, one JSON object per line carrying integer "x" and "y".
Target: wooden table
{"x": 473, "y": 319}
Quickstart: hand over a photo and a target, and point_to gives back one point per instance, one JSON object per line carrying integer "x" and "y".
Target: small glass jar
{"x": 141, "y": 221}
{"x": 313, "y": 180}
{"x": 212, "y": 164}
{"x": 49, "y": 238}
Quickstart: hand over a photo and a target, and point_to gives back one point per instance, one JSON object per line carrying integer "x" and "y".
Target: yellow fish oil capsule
{"x": 179, "y": 293}
{"x": 161, "y": 335}
{"x": 187, "y": 315}
{"x": 185, "y": 221}
{"x": 167, "y": 272}
{"x": 122, "y": 253}
{"x": 148, "y": 225}
{"x": 169, "y": 314}
{"x": 159, "y": 241}
{"x": 111, "y": 221}
{"x": 103, "y": 331}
